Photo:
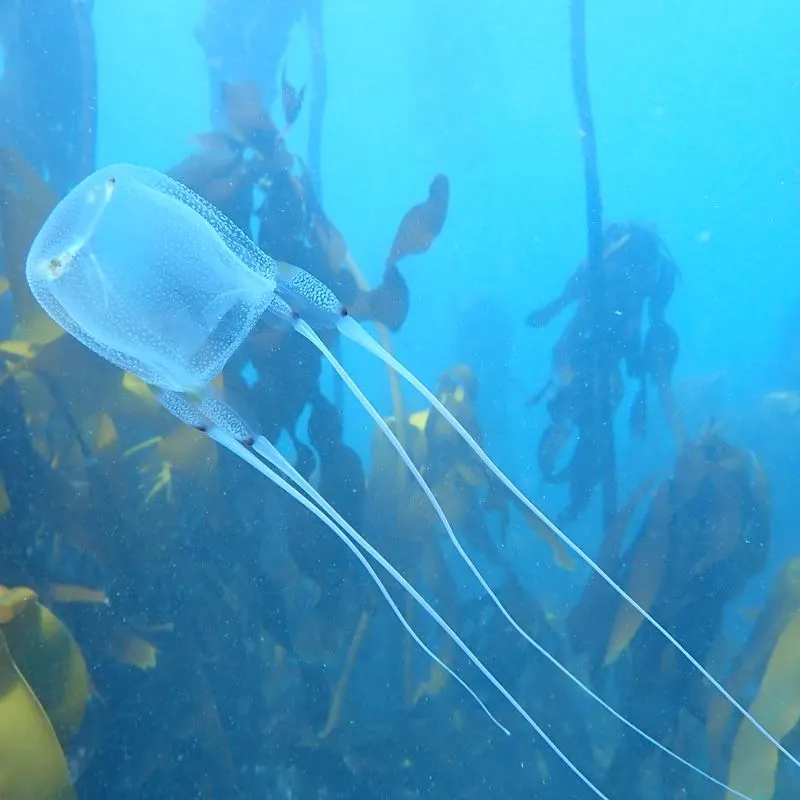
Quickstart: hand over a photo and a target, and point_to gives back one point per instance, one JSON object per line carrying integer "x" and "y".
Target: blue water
{"x": 697, "y": 115}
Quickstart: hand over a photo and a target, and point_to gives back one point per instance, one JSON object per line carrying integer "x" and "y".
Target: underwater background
{"x": 175, "y": 625}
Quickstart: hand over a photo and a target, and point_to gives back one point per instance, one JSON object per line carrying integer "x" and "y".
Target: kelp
{"x": 32, "y": 763}
{"x": 419, "y": 227}
{"x": 422, "y": 223}
{"x": 44, "y": 689}
{"x": 463, "y": 488}
{"x": 25, "y": 201}
{"x": 754, "y": 760}
{"x": 582, "y": 620}
{"x": 48, "y": 657}
{"x": 711, "y": 518}
{"x": 646, "y": 575}
{"x": 766, "y": 665}
{"x": 705, "y": 534}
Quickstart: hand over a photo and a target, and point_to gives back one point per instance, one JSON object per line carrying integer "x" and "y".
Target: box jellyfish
{"x": 155, "y": 280}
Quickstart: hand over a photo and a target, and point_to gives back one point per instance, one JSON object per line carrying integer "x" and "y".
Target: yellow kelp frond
{"x": 48, "y": 657}
{"x": 559, "y": 551}
{"x": 70, "y": 593}
{"x": 19, "y": 348}
{"x": 5, "y": 500}
{"x": 14, "y": 602}
{"x": 754, "y": 760}
{"x": 138, "y": 388}
{"x": 781, "y": 606}
{"x": 678, "y": 548}
{"x": 582, "y": 623}
{"x": 137, "y": 448}
{"x": 32, "y": 764}
{"x": 188, "y": 450}
{"x": 152, "y": 466}
{"x": 386, "y": 492}
{"x": 742, "y": 506}
{"x": 37, "y": 401}
{"x": 183, "y": 451}
{"x": 438, "y": 679}
{"x": 456, "y": 391}
{"x": 699, "y": 458}
{"x": 453, "y": 495}
{"x": 131, "y": 649}
{"x": 66, "y": 420}
{"x": 419, "y": 419}
{"x": 162, "y": 483}
{"x": 26, "y": 200}
{"x": 133, "y": 398}
{"x": 105, "y": 432}
{"x": 80, "y": 383}
{"x": 644, "y": 580}
{"x": 337, "y": 701}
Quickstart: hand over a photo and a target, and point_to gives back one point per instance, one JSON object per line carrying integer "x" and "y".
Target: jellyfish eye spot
{"x": 55, "y": 267}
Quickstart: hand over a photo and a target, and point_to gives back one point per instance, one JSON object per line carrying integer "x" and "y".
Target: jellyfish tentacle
{"x": 305, "y": 330}
{"x": 224, "y": 419}
{"x": 218, "y": 411}
{"x": 183, "y": 335}
{"x": 270, "y": 453}
{"x": 294, "y": 295}
{"x": 355, "y": 332}
{"x": 240, "y": 449}
{"x": 216, "y": 418}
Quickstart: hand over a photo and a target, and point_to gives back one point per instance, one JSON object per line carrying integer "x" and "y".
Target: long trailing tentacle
{"x": 228, "y": 429}
{"x": 300, "y": 293}
{"x": 306, "y": 331}
{"x": 350, "y": 328}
